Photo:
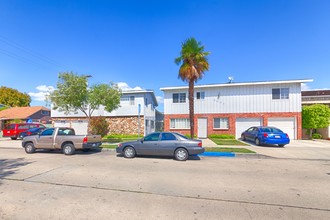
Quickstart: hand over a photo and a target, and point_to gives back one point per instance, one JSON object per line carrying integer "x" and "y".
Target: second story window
{"x": 128, "y": 99}
{"x": 200, "y": 95}
{"x": 280, "y": 93}
{"x": 179, "y": 97}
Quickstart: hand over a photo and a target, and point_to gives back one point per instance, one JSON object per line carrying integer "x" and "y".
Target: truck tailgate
{"x": 93, "y": 138}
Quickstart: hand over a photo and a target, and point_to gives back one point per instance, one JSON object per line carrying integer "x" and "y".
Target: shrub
{"x": 316, "y": 136}
{"x": 189, "y": 136}
{"x": 99, "y": 125}
{"x": 222, "y": 136}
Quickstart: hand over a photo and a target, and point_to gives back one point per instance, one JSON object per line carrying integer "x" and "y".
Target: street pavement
{"x": 103, "y": 185}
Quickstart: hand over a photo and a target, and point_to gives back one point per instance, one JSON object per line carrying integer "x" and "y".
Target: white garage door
{"x": 287, "y": 125}
{"x": 244, "y": 123}
{"x": 80, "y": 127}
{"x": 62, "y": 124}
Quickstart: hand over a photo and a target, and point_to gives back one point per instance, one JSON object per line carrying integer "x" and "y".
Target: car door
{"x": 149, "y": 145}
{"x": 167, "y": 144}
{"x": 45, "y": 139}
{"x": 249, "y": 133}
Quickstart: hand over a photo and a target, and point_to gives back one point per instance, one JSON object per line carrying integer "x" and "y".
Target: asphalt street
{"x": 102, "y": 185}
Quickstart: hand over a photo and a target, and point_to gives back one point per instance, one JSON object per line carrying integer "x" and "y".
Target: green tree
{"x": 14, "y": 98}
{"x": 194, "y": 62}
{"x": 315, "y": 116}
{"x": 73, "y": 94}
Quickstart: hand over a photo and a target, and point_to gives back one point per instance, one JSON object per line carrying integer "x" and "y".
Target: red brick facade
{"x": 231, "y": 120}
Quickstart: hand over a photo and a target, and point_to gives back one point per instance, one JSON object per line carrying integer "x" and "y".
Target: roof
{"x": 125, "y": 92}
{"x": 316, "y": 93}
{"x": 21, "y": 112}
{"x": 232, "y": 84}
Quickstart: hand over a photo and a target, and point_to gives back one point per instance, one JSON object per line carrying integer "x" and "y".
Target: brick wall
{"x": 125, "y": 125}
{"x": 231, "y": 120}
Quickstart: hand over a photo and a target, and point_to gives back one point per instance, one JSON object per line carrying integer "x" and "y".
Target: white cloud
{"x": 305, "y": 87}
{"x": 43, "y": 90}
{"x": 160, "y": 99}
{"x": 124, "y": 87}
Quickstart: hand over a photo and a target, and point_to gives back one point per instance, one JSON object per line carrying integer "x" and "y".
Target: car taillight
{"x": 287, "y": 136}
{"x": 85, "y": 140}
{"x": 265, "y": 135}
{"x": 120, "y": 144}
{"x": 200, "y": 144}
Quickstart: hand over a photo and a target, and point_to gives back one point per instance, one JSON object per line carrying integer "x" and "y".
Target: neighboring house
{"x": 316, "y": 97}
{"x": 231, "y": 108}
{"x": 34, "y": 113}
{"x": 134, "y": 105}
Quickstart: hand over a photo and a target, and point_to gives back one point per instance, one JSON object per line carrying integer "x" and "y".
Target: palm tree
{"x": 193, "y": 60}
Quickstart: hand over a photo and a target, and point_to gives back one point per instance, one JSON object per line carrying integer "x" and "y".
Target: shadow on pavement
{"x": 10, "y": 166}
{"x": 77, "y": 152}
{"x": 264, "y": 145}
{"x": 192, "y": 157}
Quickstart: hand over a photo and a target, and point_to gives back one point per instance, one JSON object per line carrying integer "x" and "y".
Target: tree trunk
{"x": 311, "y": 133}
{"x": 191, "y": 108}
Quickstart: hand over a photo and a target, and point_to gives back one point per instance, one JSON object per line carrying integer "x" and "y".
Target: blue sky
{"x": 135, "y": 42}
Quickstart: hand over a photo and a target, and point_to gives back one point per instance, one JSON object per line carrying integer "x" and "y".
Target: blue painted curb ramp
{"x": 217, "y": 154}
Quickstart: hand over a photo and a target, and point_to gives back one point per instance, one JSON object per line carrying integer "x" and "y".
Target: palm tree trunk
{"x": 191, "y": 108}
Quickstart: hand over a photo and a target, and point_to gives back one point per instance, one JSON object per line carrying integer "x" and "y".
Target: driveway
{"x": 297, "y": 149}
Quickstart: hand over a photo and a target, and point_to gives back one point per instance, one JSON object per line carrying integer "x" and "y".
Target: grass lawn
{"x": 207, "y": 149}
{"x": 228, "y": 142}
{"x": 229, "y": 149}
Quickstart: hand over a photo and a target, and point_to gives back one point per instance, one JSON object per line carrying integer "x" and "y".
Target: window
{"x": 180, "y": 123}
{"x": 168, "y": 137}
{"x": 23, "y": 126}
{"x": 43, "y": 112}
{"x": 47, "y": 132}
{"x": 152, "y": 137}
{"x": 280, "y": 93}
{"x": 66, "y": 131}
{"x": 200, "y": 95}
{"x": 179, "y": 97}
{"x": 128, "y": 99}
{"x": 220, "y": 123}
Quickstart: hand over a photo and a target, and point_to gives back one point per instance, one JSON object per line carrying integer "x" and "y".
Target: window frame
{"x": 221, "y": 123}
{"x": 200, "y": 95}
{"x": 176, "y": 123}
{"x": 281, "y": 93}
{"x": 181, "y": 97}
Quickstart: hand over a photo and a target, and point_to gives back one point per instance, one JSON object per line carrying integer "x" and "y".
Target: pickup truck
{"x": 60, "y": 138}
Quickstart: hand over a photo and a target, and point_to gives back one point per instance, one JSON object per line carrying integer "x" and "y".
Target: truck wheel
{"x": 29, "y": 148}
{"x": 68, "y": 149}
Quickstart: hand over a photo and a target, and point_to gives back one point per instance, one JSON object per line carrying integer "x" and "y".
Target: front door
{"x": 202, "y": 127}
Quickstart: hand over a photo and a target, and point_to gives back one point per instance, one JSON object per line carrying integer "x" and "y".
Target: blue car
{"x": 31, "y": 131}
{"x": 266, "y": 135}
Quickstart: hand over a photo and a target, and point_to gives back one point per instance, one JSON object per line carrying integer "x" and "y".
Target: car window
{"x": 276, "y": 130}
{"x": 47, "y": 132}
{"x": 266, "y": 130}
{"x": 152, "y": 137}
{"x": 23, "y": 127}
{"x": 66, "y": 131}
{"x": 181, "y": 136}
{"x": 250, "y": 129}
{"x": 168, "y": 137}
{"x": 10, "y": 127}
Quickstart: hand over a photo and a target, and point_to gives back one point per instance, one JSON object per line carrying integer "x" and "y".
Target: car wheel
{"x": 29, "y": 148}
{"x": 243, "y": 137}
{"x": 281, "y": 145}
{"x": 129, "y": 152}
{"x": 257, "y": 142}
{"x": 181, "y": 154}
{"x": 68, "y": 149}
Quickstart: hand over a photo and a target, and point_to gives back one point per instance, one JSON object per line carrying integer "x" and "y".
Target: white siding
{"x": 237, "y": 99}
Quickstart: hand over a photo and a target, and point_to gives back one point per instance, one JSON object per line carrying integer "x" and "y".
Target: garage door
{"x": 244, "y": 123}
{"x": 80, "y": 127}
{"x": 61, "y": 124}
{"x": 287, "y": 125}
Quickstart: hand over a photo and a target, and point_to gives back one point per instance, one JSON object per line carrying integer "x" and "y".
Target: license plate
{"x": 277, "y": 136}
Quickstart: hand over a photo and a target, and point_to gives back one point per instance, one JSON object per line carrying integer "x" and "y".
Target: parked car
{"x": 266, "y": 135}
{"x": 32, "y": 131}
{"x": 14, "y": 130}
{"x": 61, "y": 138}
{"x": 162, "y": 144}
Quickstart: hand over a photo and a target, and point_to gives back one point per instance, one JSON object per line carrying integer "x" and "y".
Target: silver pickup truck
{"x": 61, "y": 138}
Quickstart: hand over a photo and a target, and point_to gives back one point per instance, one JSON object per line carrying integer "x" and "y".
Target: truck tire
{"x": 29, "y": 148}
{"x": 68, "y": 149}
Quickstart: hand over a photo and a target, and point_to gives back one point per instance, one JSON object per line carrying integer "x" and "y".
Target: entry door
{"x": 202, "y": 128}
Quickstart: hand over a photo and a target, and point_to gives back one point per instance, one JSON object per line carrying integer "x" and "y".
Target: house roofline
{"x": 240, "y": 84}
{"x": 142, "y": 92}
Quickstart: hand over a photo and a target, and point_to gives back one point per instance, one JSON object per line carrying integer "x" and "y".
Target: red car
{"x": 14, "y": 130}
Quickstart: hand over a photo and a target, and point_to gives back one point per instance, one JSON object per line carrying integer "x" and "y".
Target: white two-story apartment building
{"x": 136, "y": 115}
{"x": 231, "y": 108}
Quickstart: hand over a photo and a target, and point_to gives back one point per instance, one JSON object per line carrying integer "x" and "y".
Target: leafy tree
{"x": 73, "y": 94}
{"x": 14, "y": 98}
{"x": 315, "y": 116}
{"x": 194, "y": 62}
{"x": 99, "y": 125}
